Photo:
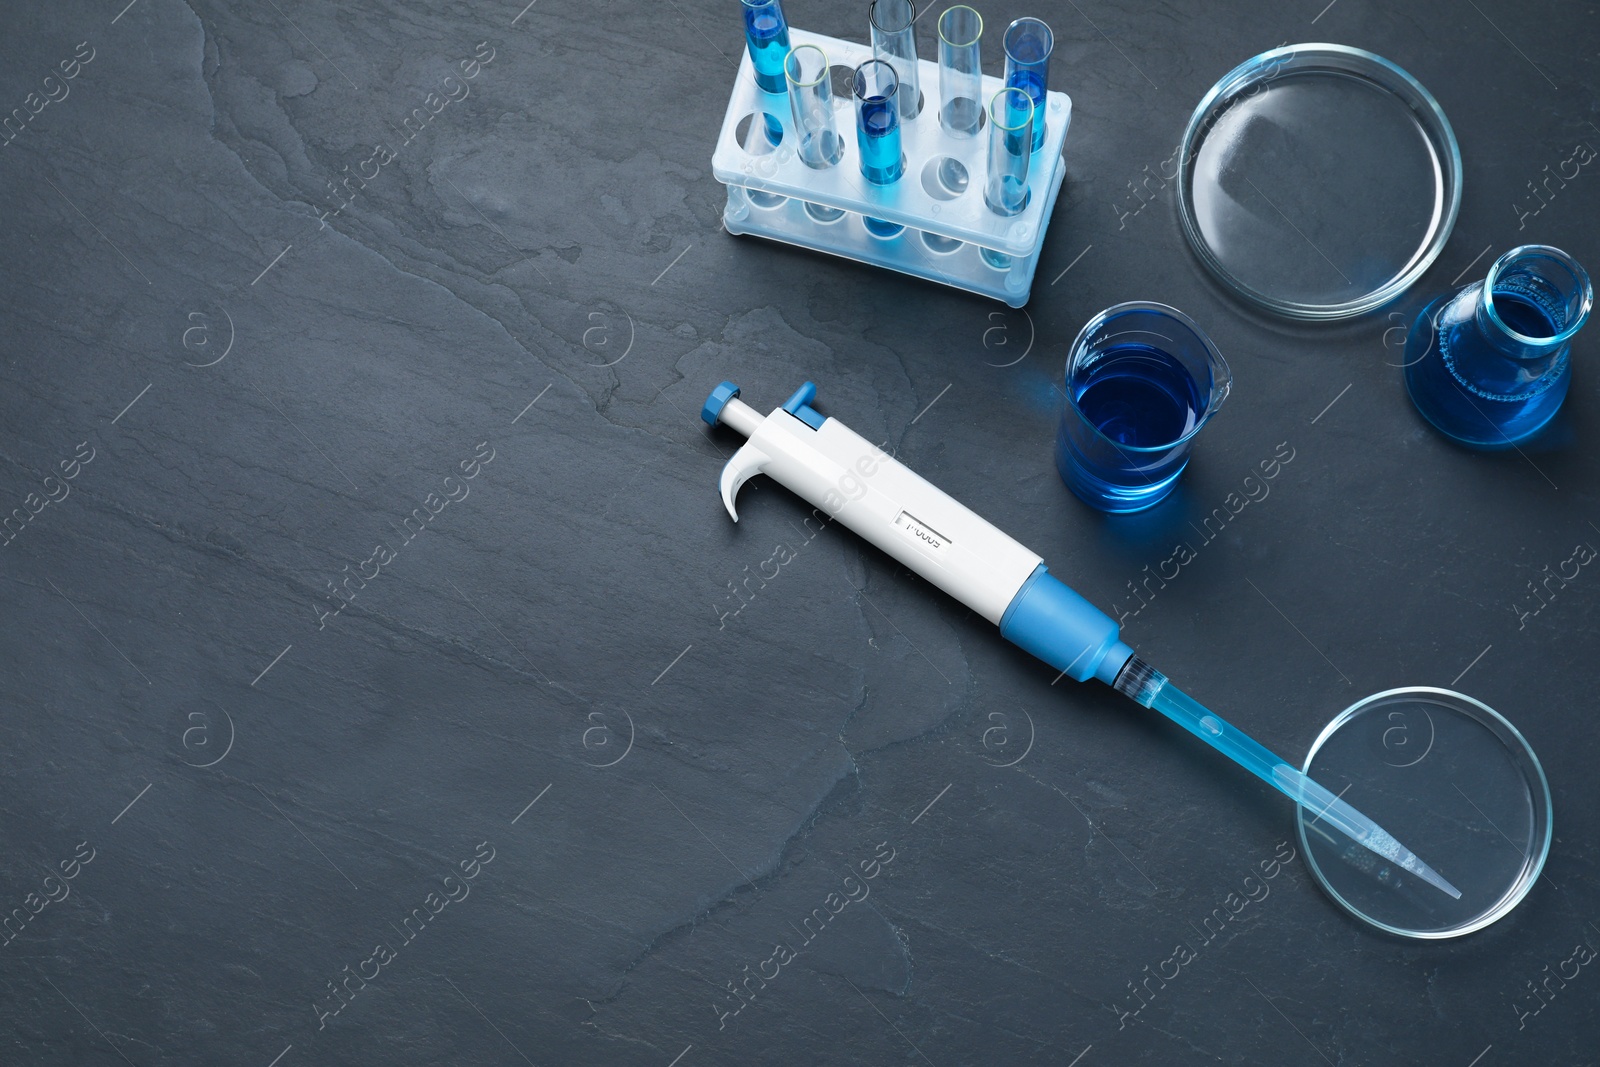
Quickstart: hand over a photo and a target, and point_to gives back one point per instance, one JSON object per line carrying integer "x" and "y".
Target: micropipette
{"x": 838, "y": 471}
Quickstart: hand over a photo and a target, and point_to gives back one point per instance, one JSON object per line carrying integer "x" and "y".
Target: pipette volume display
{"x": 886, "y": 503}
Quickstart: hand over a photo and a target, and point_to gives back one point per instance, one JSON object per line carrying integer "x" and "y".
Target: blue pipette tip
{"x": 1354, "y": 825}
{"x": 1409, "y": 860}
{"x": 1150, "y": 687}
{"x": 1434, "y": 878}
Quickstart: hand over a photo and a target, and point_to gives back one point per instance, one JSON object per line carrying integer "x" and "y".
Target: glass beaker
{"x": 1488, "y": 364}
{"x": 1141, "y": 380}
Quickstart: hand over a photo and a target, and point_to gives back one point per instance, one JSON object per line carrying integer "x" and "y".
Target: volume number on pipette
{"x": 921, "y": 532}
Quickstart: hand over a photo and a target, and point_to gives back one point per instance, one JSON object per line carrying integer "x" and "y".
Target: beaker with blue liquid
{"x": 1489, "y": 364}
{"x": 1141, "y": 381}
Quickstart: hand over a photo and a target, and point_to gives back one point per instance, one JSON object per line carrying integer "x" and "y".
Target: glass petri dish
{"x": 1318, "y": 181}
{"x": 1451, "y": 780}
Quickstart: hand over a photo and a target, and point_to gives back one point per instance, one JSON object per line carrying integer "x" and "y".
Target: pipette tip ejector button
{"x": 800, "y": 407}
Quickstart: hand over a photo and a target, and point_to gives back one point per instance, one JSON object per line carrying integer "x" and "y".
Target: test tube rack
{"x": 946, "y": 223}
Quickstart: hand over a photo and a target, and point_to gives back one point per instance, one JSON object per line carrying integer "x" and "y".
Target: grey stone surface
{"x": 273, "y": 377}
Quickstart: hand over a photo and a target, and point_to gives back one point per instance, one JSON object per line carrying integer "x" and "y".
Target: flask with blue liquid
{"x": 1489, "y": 364}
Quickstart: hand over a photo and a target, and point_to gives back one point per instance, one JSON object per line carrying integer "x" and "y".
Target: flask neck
{"x": 1534, "y": 299}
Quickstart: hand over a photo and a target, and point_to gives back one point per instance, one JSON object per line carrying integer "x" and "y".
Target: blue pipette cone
{"x": 1150, "y": 687}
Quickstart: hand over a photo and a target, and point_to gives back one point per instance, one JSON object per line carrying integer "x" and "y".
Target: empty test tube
{"x": 1011, "y": 119}
{"x": 960, "y": 71}
{"x": 894, "y": 40}
{"x": 766, "y": 34}
{"x": 1005, "y": 189}
{"x": 811, "y": 103}
{"x": 1028, "y": 44}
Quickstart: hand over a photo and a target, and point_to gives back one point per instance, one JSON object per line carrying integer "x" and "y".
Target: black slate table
{"x": 385, "y": 683}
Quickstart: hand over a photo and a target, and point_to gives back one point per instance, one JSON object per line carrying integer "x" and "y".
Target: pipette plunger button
{"x": 715, "y": 402}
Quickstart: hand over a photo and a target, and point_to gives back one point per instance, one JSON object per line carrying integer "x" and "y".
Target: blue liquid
{"x": 767, "y": 35}
{"x": 1473, "y": 390}
{"x": 1524, "y": 315}
{"x": 1031, "y": 82}
{"x": 880, "y": 228}
{"x": 878, "y": 136}
{"x": 774, "y": 129}
{"x": 1138, "y": 397}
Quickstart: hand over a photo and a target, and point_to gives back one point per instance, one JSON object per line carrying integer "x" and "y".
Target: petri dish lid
{"x": 1451, "y": 780}
{"x": 1318, "y": 181}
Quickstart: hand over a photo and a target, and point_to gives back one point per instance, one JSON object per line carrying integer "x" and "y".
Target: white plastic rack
{"x": 939, "y": 201}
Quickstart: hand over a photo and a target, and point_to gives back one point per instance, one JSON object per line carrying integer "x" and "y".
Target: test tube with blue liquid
{"x": 1005, "y": 189}
{"x": 1028, "y": 44}
{"x": 766, "y": 34}
{"x": 877, "y": 89}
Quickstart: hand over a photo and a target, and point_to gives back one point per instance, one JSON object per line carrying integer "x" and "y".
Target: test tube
{"x": 1028, "y": 44}
{"x": 960, "y": 71}
{"x": 766, "y": 35}
{"x": 877, "y": 88}
{"x": 894, "y": 39}
{"x": 811, "y": 103}
{"x": 878, "y": 133}
{"x": 1005, "y": 190}
{"x": 1011, "y": 119}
